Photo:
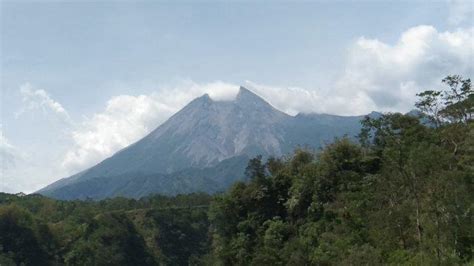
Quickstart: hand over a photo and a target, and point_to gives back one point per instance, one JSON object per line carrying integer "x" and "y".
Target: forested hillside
{"x": 405, "y": 200}
{"x": 401, "y": 195}
{"x": 35, "y": 230}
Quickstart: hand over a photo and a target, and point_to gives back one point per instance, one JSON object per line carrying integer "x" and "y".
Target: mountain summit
{"x": 203, "y": 147}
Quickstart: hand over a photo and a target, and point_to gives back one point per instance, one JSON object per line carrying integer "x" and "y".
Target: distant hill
{"x": 203, "y": 148}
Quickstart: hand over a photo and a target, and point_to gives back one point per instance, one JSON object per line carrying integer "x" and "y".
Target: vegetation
{"x": 402, "y": 195}
{"x": 35, "y": 230}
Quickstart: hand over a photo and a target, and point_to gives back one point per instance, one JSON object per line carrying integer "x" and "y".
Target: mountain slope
{"x": 185, "y": 153}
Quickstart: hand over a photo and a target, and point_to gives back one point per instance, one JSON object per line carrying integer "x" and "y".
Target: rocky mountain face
{"x": 203, "y": 147}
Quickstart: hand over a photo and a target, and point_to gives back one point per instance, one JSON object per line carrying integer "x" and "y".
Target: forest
{"x": 402, "y": 195}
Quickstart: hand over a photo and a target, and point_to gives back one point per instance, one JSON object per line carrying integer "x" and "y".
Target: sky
{"x": 82, "y": 79}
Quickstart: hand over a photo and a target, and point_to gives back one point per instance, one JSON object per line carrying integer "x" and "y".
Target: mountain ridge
{"x": 205, "y": 133}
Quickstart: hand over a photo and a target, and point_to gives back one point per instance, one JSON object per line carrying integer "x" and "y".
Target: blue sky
{"x": 82, "y": 79}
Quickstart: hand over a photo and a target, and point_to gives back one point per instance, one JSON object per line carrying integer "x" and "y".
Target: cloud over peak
{"x": 128, "y": 118}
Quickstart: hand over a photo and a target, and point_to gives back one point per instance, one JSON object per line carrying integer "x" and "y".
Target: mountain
{"x": 203, "y": 147}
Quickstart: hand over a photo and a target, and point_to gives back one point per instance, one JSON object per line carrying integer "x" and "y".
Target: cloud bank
{"x": 125, "y": 119}
{"x": 380, "y": 76}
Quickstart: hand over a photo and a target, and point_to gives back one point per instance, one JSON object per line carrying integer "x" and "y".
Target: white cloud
{"x": 380, "y": 76}
{"x": 29, "y": 159}
{"x": 291, "y": 100}
{"x": 461, "y": 11}
{"x": 125, "y": 119}
{"x": 38, "y": 99}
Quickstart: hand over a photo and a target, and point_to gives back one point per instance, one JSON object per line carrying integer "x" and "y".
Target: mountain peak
{"x": 244, "y": 92}
{"x": 205, "y": 97}
{"x": 249, "y": 97}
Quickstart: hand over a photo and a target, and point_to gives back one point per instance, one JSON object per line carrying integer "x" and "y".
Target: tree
{"x": 255, "y": 169}
{"x": 453, "y": 105}
{"x": 18, "y": 238}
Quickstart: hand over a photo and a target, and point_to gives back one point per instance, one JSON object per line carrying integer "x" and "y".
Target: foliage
{"x": 403, "y": 195}
{"x": 35, "y": 230}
